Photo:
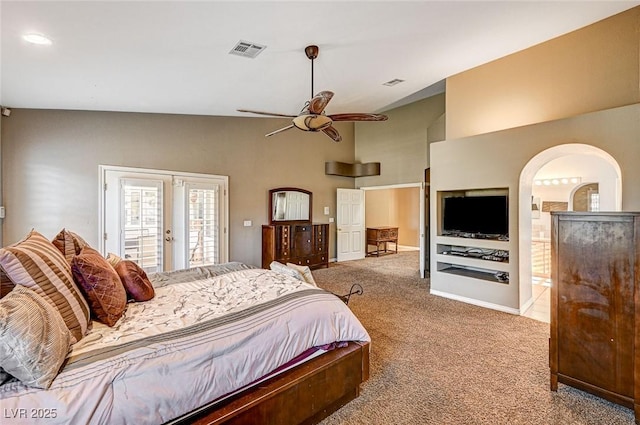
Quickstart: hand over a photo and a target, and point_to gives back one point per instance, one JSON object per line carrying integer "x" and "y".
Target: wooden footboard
{"x": 305, "y": 394}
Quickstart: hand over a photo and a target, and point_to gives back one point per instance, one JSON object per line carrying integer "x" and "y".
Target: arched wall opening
{"x": 526, "y": 183}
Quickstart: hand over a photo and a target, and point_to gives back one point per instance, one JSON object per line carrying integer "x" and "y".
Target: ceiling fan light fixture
{"x": 312, "y": 122}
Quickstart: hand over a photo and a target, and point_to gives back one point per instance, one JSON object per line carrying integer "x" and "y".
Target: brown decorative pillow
{"x": 36, "y": 263}
{"x": 100, "y": 284}
{"x": 69, "y": 244}
{"x": 34, "y": 340}
{"x": 135, "y": 281}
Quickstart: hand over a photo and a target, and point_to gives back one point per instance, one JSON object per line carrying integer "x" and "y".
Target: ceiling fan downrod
{"x": 312, "y": 53}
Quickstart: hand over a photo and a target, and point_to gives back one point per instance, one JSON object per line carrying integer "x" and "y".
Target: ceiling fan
{"x": 312, "y": 117}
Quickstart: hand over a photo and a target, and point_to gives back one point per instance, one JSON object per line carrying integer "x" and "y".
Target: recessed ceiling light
{"x": 37, "y": 39}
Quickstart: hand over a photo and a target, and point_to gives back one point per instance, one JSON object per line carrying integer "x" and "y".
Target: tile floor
{"x": 541, "y": 307}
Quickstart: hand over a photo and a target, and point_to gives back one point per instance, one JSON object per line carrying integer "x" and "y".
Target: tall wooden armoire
{"x": 595, "y": 304}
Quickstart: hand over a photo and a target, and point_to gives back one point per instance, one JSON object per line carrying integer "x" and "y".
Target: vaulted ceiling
{"x": 173, "y": 57}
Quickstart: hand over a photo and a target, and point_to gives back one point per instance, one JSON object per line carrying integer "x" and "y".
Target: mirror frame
{"x": 289, "y": 189}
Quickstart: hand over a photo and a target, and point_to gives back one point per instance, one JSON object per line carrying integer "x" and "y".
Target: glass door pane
{"x": 141, "y": 217}
{"x": 203, "y": 224}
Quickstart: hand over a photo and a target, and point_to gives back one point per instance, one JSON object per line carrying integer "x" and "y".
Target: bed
{"x": 219, "y": 344}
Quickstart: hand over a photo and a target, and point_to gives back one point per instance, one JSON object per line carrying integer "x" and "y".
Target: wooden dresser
{"x": 595, "y": 304}
{"x": 303, "y": 244}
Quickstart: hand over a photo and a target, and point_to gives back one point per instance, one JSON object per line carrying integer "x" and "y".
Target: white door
{"x": 163, "y": 220}
{"x": 350, "y": 223}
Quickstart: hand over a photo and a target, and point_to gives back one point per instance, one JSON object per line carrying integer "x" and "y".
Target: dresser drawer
{"x": 320, "y": 260}
{"x": 302, "y": 261}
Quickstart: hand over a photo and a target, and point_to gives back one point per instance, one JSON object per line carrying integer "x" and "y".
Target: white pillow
{"x": 281, "y": 268}
{"x": 305, "y": 271}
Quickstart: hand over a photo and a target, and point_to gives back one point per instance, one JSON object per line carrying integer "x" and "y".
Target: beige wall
{"x": 379, "y": 208}
{"x": 399, "y": 144}
{"x": 408, "y": 216}
{"x": 50, "y": 166}
{"x": 591, "y": 69}
{"x": 395, "y": 207}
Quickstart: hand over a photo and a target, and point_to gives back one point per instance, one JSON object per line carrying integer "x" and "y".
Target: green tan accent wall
{"x": 400, "y": 144}
{"x": 50, "y": 164}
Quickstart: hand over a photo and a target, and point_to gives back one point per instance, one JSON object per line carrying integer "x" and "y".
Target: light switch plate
{"x": 247, "y": 223}
{"x": 326, "y": 210}
{"x": 330, "y": 219}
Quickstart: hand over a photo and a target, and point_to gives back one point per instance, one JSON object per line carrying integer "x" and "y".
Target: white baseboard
{"x": 479, "y": 303}
{"x": 408, "y": 248}
{"x": 526, "y": 305}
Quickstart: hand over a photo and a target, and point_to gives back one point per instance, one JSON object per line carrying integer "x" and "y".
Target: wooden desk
{"x": 382, "y": 235}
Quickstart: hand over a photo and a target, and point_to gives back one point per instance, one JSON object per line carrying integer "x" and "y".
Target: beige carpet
{"x": 439, "y": 361}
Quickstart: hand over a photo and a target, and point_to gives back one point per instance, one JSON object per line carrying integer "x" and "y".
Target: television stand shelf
{"x": 475, "y": 273}
{"x": 464, "y": 257}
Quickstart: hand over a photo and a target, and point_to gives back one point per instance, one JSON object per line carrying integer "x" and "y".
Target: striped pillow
{"x": 34, "y": 339}
{"x": 69, "y": 244}
{"x": 5, "y": 284}
{"x": 35, "y": 263}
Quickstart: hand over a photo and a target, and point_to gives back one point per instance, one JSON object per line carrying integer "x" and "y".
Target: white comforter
{"x": 194, "y": 342}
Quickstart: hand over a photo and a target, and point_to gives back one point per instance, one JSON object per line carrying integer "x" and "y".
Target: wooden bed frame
{"x": 305, "y": 394}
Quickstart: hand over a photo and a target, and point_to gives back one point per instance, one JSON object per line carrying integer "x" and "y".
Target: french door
{"x": 164, "y": 220}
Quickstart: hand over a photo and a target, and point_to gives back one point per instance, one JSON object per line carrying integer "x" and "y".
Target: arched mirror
{"x": 289, "y": 204}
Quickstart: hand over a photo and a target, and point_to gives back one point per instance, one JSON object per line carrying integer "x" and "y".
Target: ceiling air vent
{"x": 247, "y": 49}
{"x": 393, "y": 82}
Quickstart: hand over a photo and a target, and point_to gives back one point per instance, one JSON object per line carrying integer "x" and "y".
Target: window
{"x": 594, "y": 201}
{"x": 164, "y": 220}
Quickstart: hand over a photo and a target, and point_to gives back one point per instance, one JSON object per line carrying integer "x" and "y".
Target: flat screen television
{"x": 479, "y": 216}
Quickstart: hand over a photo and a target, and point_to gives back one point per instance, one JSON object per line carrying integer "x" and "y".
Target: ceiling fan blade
{"x": 319, "y": 102}
{"x": 332, "y": 133}
{"x": 358, "y": 117}
{"x": 272, "y": 114}
{"x": 279, "y": 131}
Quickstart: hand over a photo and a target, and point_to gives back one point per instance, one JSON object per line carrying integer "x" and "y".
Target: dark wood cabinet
{"x": 303, "y": 244}
{"x": 595, "y": 303}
